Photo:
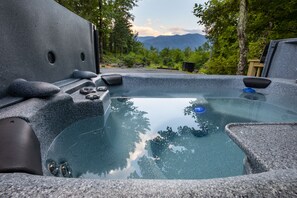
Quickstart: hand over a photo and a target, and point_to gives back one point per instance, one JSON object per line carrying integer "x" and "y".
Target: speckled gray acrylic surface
{"x": 283, "y": 59}
{"x": 271, "y": 146}
{"x": 48, "y": 117}
{"x": 271, "y": 184}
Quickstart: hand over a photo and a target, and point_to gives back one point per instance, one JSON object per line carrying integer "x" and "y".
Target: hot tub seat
{"x": 267, "y": 146}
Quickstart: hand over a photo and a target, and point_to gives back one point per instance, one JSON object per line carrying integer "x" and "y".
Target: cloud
{"x": 155, "y": 30}
{"x": 178, "y": 30}
{"x": 145, "y": 31}
{"x": 149, "y": 22}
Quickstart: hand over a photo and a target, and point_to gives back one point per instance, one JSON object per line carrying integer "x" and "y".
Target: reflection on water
{"x": 92, "y": 148}
{"x": 160, "y": 138}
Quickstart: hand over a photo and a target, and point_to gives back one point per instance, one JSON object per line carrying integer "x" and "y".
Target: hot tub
{"x": 53, "y": 136}
{"x": 62, "y": 122}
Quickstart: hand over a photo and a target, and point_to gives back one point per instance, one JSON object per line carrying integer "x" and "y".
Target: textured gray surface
{"x": 32, "y": 28}
{"x": 268, "y": 146}
{"x": 32, "y": 89}
{"x": 83, "y": 74}
{"x": 48, "y": 117}
{"x": 271, "y": 184}
{"x": 282, "y": 60}
{"x": 104, "y": 70}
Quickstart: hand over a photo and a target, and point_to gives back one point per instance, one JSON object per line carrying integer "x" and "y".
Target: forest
{"x": 265, "y": 20}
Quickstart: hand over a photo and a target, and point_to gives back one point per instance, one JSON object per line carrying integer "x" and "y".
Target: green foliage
{"x": 109, "y": 58}
{"x": 174, "y": 58}
{"x": 221, "y": 65}
{"x": 153, "y": 56}
{"x": 267, "y": 20}
{"x": 167, "y": 58}
{"x": 187, "y": 52}
{"x": 200, "y": 56}
{"x": 132, "y": 59}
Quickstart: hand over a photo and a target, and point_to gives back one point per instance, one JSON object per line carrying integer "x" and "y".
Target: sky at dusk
{"x": 166, "y": 17}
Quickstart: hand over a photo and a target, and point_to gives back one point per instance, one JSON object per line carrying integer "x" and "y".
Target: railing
{"x": 255, "y": 68}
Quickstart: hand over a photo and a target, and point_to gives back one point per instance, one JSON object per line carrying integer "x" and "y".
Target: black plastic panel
{"x": 96, "y": 48}
{"x": 187, "y": 66}
{"x": 19, "y": 147}
{"x": 112, "y": 79}
{"x": 42, "y": 41}
{"x": 259, "y": 83}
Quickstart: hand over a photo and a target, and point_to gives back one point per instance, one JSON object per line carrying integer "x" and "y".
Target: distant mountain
{"x": 177, "y": 41}
{"x": 144, "y": 38}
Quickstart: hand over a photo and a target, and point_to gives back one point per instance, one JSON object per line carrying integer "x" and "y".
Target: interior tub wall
{"x": 280, "y": 92}
{"x": 176, "y": 84}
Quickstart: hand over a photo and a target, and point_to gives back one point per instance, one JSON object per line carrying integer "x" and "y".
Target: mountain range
{"x": 176, "y": 41}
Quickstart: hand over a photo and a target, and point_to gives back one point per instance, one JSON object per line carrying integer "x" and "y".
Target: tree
{"x": 242, "y": 38}
{"x": 121, "y": 36}
{"x": 220, "y": 21}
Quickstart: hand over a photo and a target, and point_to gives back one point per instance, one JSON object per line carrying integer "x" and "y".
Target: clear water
{"x": 161, "y": 138}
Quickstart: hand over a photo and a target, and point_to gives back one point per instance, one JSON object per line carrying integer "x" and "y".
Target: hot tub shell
{"x": 43, "y": 41}
{"x": 48, "y": 117}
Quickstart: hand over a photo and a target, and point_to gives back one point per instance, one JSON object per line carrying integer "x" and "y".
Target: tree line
{"x": 236, "y": 30}
{"x": 162, "y": 59}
